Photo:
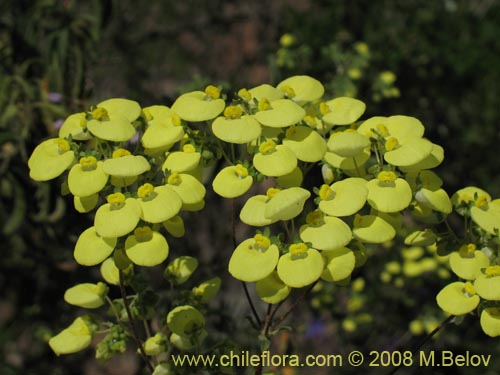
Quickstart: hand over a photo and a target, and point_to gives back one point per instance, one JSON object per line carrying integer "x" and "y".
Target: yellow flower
{"x": 339, "y": 264}
{"x": 372, "y": 229}
{"x": 305, "y": 143}
{"x": 91, "y": 249}
{"x": 239, "y": 130}
{"x": 87, "y": 177}
{"x": 325, "y": 232}
{"x": 232, "y": 181}
{"x": 50, "y": 159}
{"x": 207, "y": 289}
{"x": 274, "y": 160}
{"x": 282, "y": 113}
{"x": 118, "y": 217}
{"x": 343, "y": 111}
{"x": 348, "y": 143}
{"x": 146, "y": 247}
{"x": 343, "y": 198}
{"x": 124, "y": 165}
{"x": 271, "y": 289}
{"x": 190, "y": 190}
{"x": 468, "y": 262}
{"x": 388, "y": 193}
{"x": 267, "y": 92}
{"x": 76, "y": 127}
{"x": 490, "y": 321}
{"x": 304, "y": 88}
{"x": 286, "y": 204}
{"x": 158, "y": 203}
{"x": 182, "y": 161}
{"x": 458, "y": 298}
{"x": 301, "y": 266}
{"x": 86, "y": 295}
{"x": 180, "y": 269}
{"x": 198, "y": 106}
{"x": 72, "y": 339}
{"x": 487, "y": 283}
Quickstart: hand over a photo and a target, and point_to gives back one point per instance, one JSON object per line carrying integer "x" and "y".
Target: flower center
{"x": 88, "y": 163}
{"x": 174, "y": 179}
{"x": 83, "y": 120}
{"x": 469, "y": 290}
{"x": 147, "y": 115}
{"x": 233, "y": 112}
{"x": 176, "y": 120}
{"x": 241, "y": 171}
{"x": 324, "y": 108}
{"x": 143, "y": 233}
{"x": 62, "y": 145}
{"x": 298, "y": 249}
{"x": 245, "y": 94}
{"x": 100, "y": 114}
{"x": 116, "y": 200}
{"x": 264, "y": 104}
{"x": 310, "y": 121}
{"x": 271, "y": 192}
{"x": 289, "y": 91}
{"x": 387, "y": 176}
{"x": 145, "y": 191}
{"x": 189, "y": 148}
{"x": 492, "y": 271}
{"x": 391, "y": 144}
{"x": 382, "y": 130}
{"x": 481, "y": 201}
{"x": 315, "y": 218}
{"x": 467, "y": 251}
{"x": 325, "y": 192}
{"x": 120, "y": 152}
{"x": 261, "y": 242}
{"x": 212, "y": 92}
{"x": 267, "y": 147}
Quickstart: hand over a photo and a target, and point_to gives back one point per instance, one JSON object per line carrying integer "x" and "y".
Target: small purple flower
{"x": 54, "y": 97}
{"x": 57, "y": 124}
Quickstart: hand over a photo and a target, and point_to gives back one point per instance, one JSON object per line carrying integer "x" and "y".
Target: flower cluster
{"x": 139, "y": 170}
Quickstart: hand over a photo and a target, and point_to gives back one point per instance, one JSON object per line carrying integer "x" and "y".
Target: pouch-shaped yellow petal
{"x": 432, "y": 160}
{"x": 271, "y": 289}
{"x": 231, "y": 182}
{"x": 488, "y": 287}
{"x": 85, "y": 204}
{"x": 455, "y": 300}
{"x": 156, "y": 114}
{"x": 344, "y": 111}
{"x": 277, "y": 162}
{"x": 91, "y": 249}
{"x": 373, "y": 127}
{"x": 402, "y": 127}
{"x": 180, "y": 269}
{"x": 468, "y": 265}
{"x": 294, "y": 178}
{"x": 424, "y": 237}
{"x": 207, "y": 290}
{"x": 72, "y": 339}
{"x": 329, "y": 233}
{"x": 50, "y": 159}
{"x": 188, "y": 342}
{"x": 147, "y": 251}
{"x": 196, "y": 106}
{"x": 286, "y": 204}
{"x": 347, "y": 163}
{"x": 305, "y": 143}
{"x": 84, "y": 181}
{"x": 75, "y": 126}
{"x": 253, "y": 212}
{"x": 490, "y": 321}
{"x": 161, "y": 134}
{"x": 130, "y": 109}
{"x": 487, "y": 217}
{"x": 252, "y": 262}
{"x": 185, "y": 320}
{"x": 189, "y": 189}
{"x": 116, "y": 220}
{"x": 391, "y": 195}
{"x": 241, "y": 130}
{"x": 86, "y": 295}
{"x": 346, "y": 197}
{"x": 348, "y": 143}
{"x": 126, "y": 166}
{"x": 266, "y": 91}
{"x": 437, "y": 200}
{"x": 282, "y": 113}
{"x": 109, "y": 272}
{"x": 409, "y": 153}
{"x": 162, "y": 204}
{"x": 299, "y": 270}
{"x": 470, "y": 194}
{"x": 372, "y": 229}
{"x": 116, "y": 128}
{"x": 175, "y": 226}
{"x": 181, "y": 161}
{"x": 304, "y": 88}
{"x": 339, "y": 264}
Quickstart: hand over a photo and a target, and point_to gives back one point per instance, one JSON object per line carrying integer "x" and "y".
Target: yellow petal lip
{"x": 48, "y": 161}
{"x": 117, "y": 128}
{"x": 339, "y": 264}
{"x": 453, "y": 300}
{"x": 83, "y": 183}
{"x": 468, "y": 268}
{"x": 286, "y": 204}
{"x": 75, "y": 126}
{"x": 278, "y": 163}
{"x": 271, "y": 289}
{"x": 347, "y": 163}
{"x": 72, "y": 339}
{"x": 424, "y": 237}
{"x": 437, "y": 200}
{"x": 331, "y": 234}
{"x": 305, "y": 143}
{"x": 372, "y": 229}
{"x": 165, "y": 204}
{"x": 284, "y": 112}
{"x": 185, "y": 320}
{"x": 130, "y": 109}
{"x": 344, "y": 111}
{"x": 162, "y": 134}
{"x": 190, "y": 190}
{"x": 91, "y": 249}
{"x": 253, "y": 212}
{"x": 249, "y": 263}
{"x": 349, "y": 196}
{"x": 86, "y": 295}
{"x": 299, "y": 271}
{"x": 488, "y": 287}
{"x": 434, "y": 159}
{"x": 410, "y": 153}
{"x": 147, "y": 253}
{"x": 194, "y": 107}
{"x": 181, "y": 161}
{"x": 85, "y": 204}
{"x": 306, "y": 89}
{"x": 228, "y": 184}
{"x": 490, "y": 321}
{"x": 488, "y": 217}
{"x": 239, "y": 131}
{"x": 266, "y": 91}
{"x": 391, "y": 196}
{"x": 348, "y": 143}
{"x": 126, "y": 166}
{"x": 113, "y": 222}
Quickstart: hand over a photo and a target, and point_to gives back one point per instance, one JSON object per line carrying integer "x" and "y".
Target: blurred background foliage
{"x": 436, "y": 60}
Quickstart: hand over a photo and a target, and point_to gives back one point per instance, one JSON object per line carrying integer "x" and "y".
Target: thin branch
{"x": 252, "y": 307}
{"x": 132, "y": 324}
